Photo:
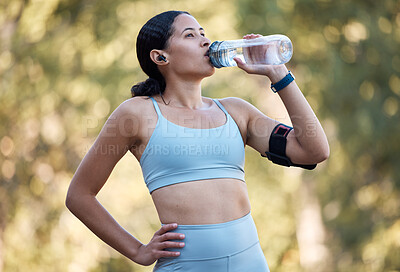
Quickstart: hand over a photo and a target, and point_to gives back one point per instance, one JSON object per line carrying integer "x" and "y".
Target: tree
{"x": 346, "y": 56}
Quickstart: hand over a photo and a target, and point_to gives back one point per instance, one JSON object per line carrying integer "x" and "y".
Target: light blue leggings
{"x": 227, "y": 247}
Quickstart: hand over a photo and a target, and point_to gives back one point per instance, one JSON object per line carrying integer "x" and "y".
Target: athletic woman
{"x": 191, "y": 150}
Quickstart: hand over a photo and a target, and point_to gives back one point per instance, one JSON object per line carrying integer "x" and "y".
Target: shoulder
{"x": 133, "y": 107}
{"x": 235, "y": 103}
{"x": 241, "y": 106}
{"x": 240, "y": 110}
{"x": 132, "y": 115}
{"x": 237, "y": 106}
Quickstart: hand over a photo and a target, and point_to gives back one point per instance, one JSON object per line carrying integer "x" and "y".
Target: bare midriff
{"x": 202, "y": 202}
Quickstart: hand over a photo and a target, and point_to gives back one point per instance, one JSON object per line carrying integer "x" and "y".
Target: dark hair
{"x": 153, "y": 35}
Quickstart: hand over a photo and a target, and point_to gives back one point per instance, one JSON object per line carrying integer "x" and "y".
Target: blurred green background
{"x": 65, "y": 65}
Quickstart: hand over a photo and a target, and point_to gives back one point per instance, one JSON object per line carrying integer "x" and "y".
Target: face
{"x": 187, "y": 50}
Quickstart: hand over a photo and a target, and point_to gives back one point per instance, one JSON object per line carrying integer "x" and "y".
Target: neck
{"x": 186, "y": 94}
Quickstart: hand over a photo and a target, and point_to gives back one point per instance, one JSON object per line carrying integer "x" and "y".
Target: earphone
{"x": 161, "y": 58}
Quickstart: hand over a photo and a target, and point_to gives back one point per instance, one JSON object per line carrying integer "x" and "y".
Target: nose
{"x": 206, "y": 42}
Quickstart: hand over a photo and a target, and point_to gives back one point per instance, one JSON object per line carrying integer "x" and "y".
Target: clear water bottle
{"x": 272, "y": 49}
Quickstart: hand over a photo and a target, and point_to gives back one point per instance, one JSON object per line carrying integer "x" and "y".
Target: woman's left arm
{"x": 307, "y": 142}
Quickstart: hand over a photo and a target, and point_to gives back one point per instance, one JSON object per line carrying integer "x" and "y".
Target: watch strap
{"x": 283, "y": 82}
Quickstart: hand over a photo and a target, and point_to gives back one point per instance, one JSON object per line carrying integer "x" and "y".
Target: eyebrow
{"x": 191, "y": 28}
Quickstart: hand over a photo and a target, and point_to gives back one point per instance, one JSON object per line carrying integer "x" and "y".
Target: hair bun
{"x": 148, "y": 88}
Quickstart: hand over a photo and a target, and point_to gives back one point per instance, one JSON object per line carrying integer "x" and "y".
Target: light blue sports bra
{"x": 176, "y": 154}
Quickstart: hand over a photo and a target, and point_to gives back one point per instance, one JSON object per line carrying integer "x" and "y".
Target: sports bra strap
{"x": 160, "y": 114}
{"x": 156, "y": 106}
{"x": 221, "y": 107}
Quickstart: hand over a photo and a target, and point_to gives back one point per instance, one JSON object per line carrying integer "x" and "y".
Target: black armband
{"x": 277, "y": 148}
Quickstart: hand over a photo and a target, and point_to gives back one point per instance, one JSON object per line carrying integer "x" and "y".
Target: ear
{"x": 155, "y": 55}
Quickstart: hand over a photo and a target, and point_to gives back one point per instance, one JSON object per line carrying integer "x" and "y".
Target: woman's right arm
{"x": 117, "y": 136}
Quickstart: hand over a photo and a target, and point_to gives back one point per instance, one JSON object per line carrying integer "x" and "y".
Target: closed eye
{"x": 192, "y": 35}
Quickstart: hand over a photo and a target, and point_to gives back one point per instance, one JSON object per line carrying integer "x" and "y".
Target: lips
{"x": 207, "y": 53}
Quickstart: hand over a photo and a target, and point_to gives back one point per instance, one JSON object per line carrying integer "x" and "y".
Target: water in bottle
{"x": 272, "y": 49}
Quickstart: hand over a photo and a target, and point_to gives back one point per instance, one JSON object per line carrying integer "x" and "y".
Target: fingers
{"x": 245, "y": 67}
{"x": 165, "y": 254}
{"x": 159, "y": 246}
{"x": 165, "y": 228}
{"x": 251, "y": 36}
{"x": 161, "y": 251}
{"x": 171, "y": 236}
{"x": 254, "y": 54}
{"x": 165, "y": 234}
{"x": 240, "y": 63}
{"x": 163, "y": 239}
{"x": 169, "y": 244}
{"x": 253, "y": 69}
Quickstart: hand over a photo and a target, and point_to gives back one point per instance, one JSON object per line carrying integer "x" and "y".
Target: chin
{"x": 210, "y": 71}
{"x": 206, "y": 73}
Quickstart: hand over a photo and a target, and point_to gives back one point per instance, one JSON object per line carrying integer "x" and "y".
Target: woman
{"x": 191, "y": 150}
